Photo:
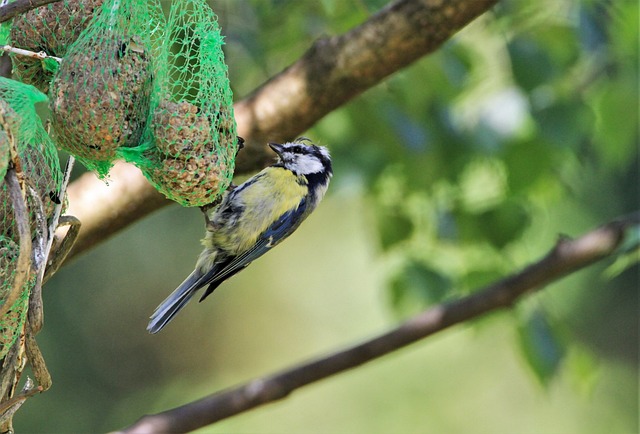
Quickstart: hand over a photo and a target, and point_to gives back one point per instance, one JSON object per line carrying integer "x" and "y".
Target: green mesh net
{"x": 133, "y": 85}
{"x": 52, "y": 29}
{"x": 12, "y": 323}
{"x": 99, "y": 97}
{"x": 36, "y": 151}
{"x": 189, "y": 143}
{"x": 21, "y": 128}
{"x": 153, "y": 91}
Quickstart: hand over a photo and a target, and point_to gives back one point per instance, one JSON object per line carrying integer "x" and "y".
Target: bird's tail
{"x": 174, "y": 303}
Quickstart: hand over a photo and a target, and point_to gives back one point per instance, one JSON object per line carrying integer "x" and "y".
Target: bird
{"x": 251, "y": 219}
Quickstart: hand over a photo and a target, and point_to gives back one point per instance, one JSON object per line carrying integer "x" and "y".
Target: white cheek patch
{"x": 305, "y": 164}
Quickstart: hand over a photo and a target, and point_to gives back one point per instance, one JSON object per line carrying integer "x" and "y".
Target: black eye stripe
{"x": 302, "y": 149}
{"x": 295, "y": 149}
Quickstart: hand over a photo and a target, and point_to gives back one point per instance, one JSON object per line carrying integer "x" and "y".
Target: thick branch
{"x": 336, "y": 69}
{"x": 18, "y": 7}
{"x": 566, "y": 257}
{"x": 332, "y": 72}
{"x": 105, "y": 208}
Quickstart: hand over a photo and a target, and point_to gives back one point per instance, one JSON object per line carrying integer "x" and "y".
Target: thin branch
{"x": 40, "y": 55}
{"x": 18, "y": 7}
{"x": 34, "y": 355}
{"x": 62, "y": 244}
{"x": 55, "y": 218}
{"x": 566, "y": 257}
{"x": 331, "y": 73}
{"x": 35, "y": 312}
{"x": 9, "y": 407}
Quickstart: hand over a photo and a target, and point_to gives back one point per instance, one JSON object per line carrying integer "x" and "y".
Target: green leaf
{"x": 565, "y": 54}
{"x": 624, "y": 31}
{"x": 483, "y": 184}
{"x": 541, "y": 346}
{"x": 329, "y": 6}
{"x": 393, "y": 226}
{"x": 628, "y": 253}
{"x": 457, "y": 62}
{"x": 583, "y": 369}
{"x": 565, "y": 123}
{"x": 504, "y": 223}
{"x": 416, "y": 285}
{"x": 631, "y": 240}
{"x": 616, "y": 106}
{"x": 530, "y": 64}
{"x": 526, "y": 163}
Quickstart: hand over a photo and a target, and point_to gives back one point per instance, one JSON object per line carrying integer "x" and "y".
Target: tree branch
{"x": 332, "y": 72}
{"x": 566, "y": 257}
{"x": 18, "y": 7}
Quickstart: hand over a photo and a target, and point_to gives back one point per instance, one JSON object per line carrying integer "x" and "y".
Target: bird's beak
{"x": 276, "y": 148}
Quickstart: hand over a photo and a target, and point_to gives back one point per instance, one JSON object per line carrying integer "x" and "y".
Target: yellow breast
{"x": 274, "y": 192}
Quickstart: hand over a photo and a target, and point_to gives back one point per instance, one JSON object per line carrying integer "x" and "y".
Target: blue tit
{"x": 251, "y": 219}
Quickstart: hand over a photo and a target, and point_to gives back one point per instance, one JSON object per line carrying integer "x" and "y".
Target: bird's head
{"x": 303, "y": 157}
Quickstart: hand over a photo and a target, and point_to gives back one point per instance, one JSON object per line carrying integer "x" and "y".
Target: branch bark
{"x": 18, "y": 7}
{"x": 332, "y": 72}
{"x": 566, "y": 257}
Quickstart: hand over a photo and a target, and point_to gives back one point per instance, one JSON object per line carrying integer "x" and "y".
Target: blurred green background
{"x": 457, "y": 170}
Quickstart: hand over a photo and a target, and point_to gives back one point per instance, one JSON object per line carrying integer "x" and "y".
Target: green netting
{"x": 189, "y": 143}
{"x": 12, "y": 323}
{"x": 5, "y": 28}
{"x": 138, "y": 86}
{"x": 37, "y": 152}
{"x": 51, "y": 28}
{"x": 20, "y": 126}
{"x": 99, "y": 97}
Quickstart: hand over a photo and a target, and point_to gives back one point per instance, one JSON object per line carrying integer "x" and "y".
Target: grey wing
{"x": 278, "y": 231}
